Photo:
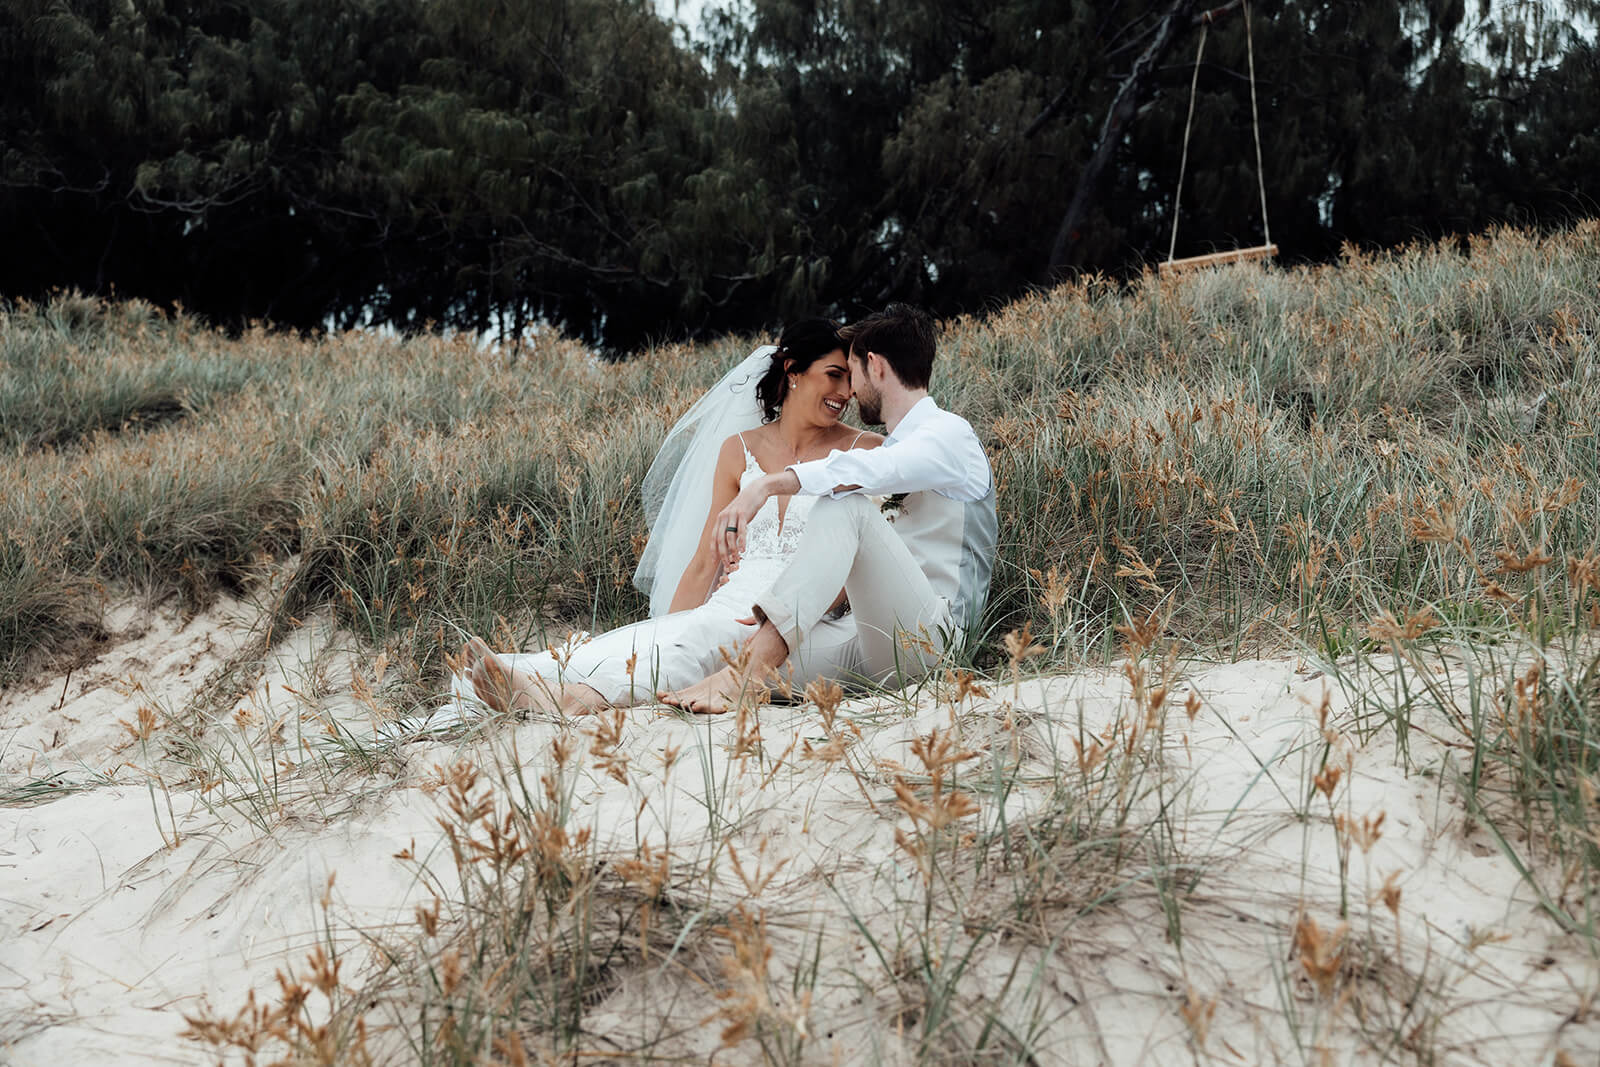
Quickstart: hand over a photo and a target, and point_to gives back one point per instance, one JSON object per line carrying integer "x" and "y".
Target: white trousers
{"x": 901, "y": 625}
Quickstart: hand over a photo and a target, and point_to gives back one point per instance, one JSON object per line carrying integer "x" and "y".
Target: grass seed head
{"x": 1321, "y": 952}
{"x": 509, "y": 1047}
{"x": 1088, "y": 758}
{"x": 1055, "y": 588}
{"x": 324, "y": 971}
{"x": 1583, "y": 575}
{"x": 1387, "y": 629}
{"x": 428, "y": 918}
{"x": 1364, "y": 833}
{"x": 647, "y": 871}
{"x": 755, "y": 884}
{"x": 1197, "y": 1012}
{"x": 746, "y": 999}
{"x": 451, "y": 970}
{"x": 1139, "y": 635}
{"x": 827, "y": 696}
{"x": 147, "y": 724}
{"x": 1389, "y": 893}
{"x": 965, "y": 684}
{"x": 607, "y": 742}
{"x": 918, "y": 642}
{"x": 1020, "y": 645}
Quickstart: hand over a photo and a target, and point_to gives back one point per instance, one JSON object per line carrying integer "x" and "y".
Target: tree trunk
{"x": 1066, "y": 251}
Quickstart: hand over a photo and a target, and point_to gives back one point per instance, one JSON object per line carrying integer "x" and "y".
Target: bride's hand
{"x": 728, "y": 531}
{"x": 731, "y": 521}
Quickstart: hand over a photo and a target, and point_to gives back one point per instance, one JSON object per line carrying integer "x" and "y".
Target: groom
{"x": 915, "y": 580}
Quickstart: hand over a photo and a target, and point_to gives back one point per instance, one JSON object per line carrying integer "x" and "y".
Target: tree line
{"x": 490, "y": 164}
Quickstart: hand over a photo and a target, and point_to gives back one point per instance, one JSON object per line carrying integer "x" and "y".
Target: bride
{"x": 780, "y": 406}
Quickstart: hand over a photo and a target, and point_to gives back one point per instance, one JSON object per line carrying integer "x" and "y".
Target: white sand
{"x": 134, "y": 894}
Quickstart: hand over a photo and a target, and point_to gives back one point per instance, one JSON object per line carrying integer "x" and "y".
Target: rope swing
{"x": 1266, "y": 249}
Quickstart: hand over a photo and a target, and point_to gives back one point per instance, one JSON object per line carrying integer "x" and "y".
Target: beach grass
{"x": 1381, "y": 469}
{"x": 1227, "y": 448}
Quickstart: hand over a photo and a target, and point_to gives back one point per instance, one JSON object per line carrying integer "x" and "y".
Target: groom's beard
{"x": 871, "y": 409}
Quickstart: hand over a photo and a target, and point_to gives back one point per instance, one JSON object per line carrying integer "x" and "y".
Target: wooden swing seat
{"x": 1265, "y": 250}
{"x": 1217, "y": 259}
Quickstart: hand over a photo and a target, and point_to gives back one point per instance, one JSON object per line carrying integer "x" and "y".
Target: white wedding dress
{"x": 676, "y": 650}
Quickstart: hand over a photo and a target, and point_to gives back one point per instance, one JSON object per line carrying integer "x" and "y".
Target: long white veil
{"x": 677, "y": 488}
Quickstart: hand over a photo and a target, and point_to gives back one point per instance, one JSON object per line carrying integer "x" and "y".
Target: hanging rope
{"x": 1267, "y": 247}
{"x": 1255, "y": 124}
{"x": 1183, "y": 163}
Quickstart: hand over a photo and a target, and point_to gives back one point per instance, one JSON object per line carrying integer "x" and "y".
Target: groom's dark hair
{"x": 901, "y": 334}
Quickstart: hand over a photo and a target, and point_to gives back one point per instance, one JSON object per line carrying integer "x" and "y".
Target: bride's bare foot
{"x": 494, "y": 683}
{"x": 473, "y": 651}
{"x": 462, "y": 662}
{"x": 506, "y": 689}
{"x": 718, "y": 694}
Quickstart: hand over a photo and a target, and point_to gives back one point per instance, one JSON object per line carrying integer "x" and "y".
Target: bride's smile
{"x": 823, "y": 387}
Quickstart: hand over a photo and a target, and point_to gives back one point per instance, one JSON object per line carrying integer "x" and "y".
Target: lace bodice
{"x": 765, "y": 538}
{"x": 768, "y": 547}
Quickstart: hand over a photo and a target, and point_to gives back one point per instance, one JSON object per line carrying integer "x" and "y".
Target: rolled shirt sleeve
{"x": 937, "y": 451}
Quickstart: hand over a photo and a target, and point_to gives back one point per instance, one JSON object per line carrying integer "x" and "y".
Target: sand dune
{"x": 1134, "y": 884}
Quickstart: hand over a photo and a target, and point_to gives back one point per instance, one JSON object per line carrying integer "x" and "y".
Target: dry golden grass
{"x": 1383, "y": 468}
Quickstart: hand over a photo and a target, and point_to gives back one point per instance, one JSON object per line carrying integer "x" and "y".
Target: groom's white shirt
{"x": 930, "y": 449}
{"x": 947, "y": 520}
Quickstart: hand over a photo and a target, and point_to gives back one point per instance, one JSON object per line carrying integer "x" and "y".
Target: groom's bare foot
{"x": 718, "y": 694}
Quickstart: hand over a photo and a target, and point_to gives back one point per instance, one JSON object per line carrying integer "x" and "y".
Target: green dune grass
{"x": 1383, "y": 470}
{"x": 1247, "y": 454}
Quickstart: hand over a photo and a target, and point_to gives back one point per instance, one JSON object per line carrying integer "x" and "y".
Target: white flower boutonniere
{"x": 892, "y": 506}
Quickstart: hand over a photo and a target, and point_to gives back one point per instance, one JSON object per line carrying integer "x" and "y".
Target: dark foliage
{"x": 485, "y": 163}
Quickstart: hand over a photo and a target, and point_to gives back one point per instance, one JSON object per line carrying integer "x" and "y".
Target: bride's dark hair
{"x": 802, "y": 343}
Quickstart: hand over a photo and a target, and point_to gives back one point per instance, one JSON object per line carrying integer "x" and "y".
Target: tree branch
{"x": 1064, "y": 252}
{"x": 1053, "y": 108}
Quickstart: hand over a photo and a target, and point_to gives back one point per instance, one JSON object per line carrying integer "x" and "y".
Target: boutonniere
{"x": 893, "y": 505}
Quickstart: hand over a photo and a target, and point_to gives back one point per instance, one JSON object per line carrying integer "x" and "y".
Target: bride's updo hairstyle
{"x": 803, "y": 343}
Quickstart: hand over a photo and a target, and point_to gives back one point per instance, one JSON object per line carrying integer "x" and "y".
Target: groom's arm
{"x": 945, "y": 457}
